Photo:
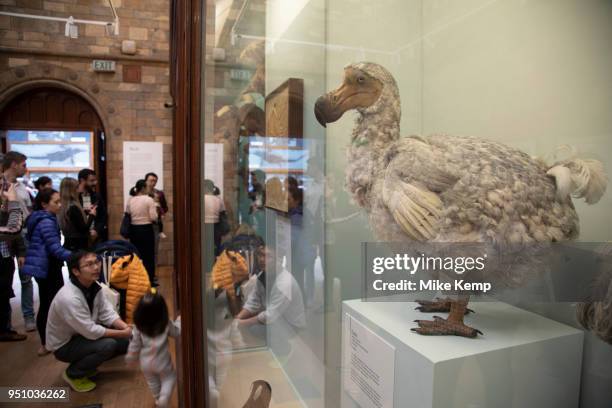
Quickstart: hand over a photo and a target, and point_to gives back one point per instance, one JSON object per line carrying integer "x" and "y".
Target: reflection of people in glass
{"x": 303, "y": 249}
{"x": 230, "y": 270}
{"x": 257, "y": 194}
{"x": 314, "y": 192}
{"x": 162, "y": 208}
{"x": 284, "y": 299}
{"x": 244, "y": 203}
{"x": 214, "y": 210}
{"x": 299, "y": 245}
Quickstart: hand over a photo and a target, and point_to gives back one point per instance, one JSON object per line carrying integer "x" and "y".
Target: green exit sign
{"x": 240, "y": 74}
{"x": 103, "y": 66}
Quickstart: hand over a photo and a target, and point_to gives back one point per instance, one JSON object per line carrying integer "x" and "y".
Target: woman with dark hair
{"x": 143, "y": 212}
{"x": 214, "y": 213}
{"x": 45, "y": 255}
{"x": 72, "y": 219}
{"x": 257, "y": 194}
{"x": 162, "y": 208}
{"x": 43, "y": 183}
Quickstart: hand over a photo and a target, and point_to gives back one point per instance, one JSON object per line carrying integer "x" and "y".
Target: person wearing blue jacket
{"x": 45, "y": 255}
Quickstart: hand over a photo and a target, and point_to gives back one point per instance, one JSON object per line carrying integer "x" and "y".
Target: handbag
{"x": 126, "y": 222}
{"x": 111, "y": 296}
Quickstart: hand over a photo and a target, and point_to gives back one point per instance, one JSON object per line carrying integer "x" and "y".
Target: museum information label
{"x": 213, "y": 164}
{"x": 369, "y": 365}
{"x": 283, "y": 240}
{"x": 140, "y": 158}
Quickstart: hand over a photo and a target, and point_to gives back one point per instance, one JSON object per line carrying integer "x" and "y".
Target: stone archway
{"x": 128, "y": 112}
{"x": 50, "y": 108}
{"x": 17, "y": 80}
{"x": 20, "y": 81}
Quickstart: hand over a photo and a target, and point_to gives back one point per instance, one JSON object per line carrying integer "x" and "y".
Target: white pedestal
{"x": 523, "y": 360}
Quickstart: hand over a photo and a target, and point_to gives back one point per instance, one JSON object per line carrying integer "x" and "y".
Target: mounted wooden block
{"x": 285, "y": 109}
{"x": 284, "y": 118}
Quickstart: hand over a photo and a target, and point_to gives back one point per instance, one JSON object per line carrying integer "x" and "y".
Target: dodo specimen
{"x": 444, "y": 188}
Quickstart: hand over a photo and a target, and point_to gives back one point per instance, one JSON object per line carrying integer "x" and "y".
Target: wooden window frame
{"x": 185, "y": 77}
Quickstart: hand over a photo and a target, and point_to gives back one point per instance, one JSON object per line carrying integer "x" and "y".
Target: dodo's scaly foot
{"x": 444, "y": 327}
{"x": 453, "y": 326}
{"x": 437, "y": 305}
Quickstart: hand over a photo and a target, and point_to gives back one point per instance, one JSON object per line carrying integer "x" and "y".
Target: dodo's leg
{"x": 437, "y": 305}
{"x": 453, "y": 325}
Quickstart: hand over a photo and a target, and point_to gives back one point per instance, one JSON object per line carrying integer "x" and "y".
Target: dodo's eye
{"x": 361, "y": 79}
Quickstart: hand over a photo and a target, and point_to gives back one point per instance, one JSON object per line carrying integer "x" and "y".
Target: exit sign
{"x": 103, "y": 66}
{"x": 240, "y": 74}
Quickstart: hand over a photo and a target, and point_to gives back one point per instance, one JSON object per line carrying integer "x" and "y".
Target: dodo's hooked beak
{"x": 324, "y": 110}
{"x": 328, "y": 109}
{"x": 358, "y": 90}
{"x": 319, "y": 114}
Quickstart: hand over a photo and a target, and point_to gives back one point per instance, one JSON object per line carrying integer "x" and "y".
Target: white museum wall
{"x": 531, "y": 74}
{"x": 534, "y": 75}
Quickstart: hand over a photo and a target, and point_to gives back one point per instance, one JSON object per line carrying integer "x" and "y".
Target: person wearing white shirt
{"x": 83, "y": 329}
{"x": 214, "y": 213}
{"x": 284, "y": 301}
{"x": 14, "y": 166}
{"x": 143, "y": 211}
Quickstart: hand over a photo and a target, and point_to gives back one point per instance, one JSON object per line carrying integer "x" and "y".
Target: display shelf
{"x": 522, "y": 360}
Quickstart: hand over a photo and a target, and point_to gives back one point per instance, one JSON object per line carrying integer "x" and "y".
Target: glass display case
{"x": 306, "y": 106}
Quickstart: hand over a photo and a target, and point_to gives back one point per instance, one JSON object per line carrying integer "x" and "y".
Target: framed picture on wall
{"x": 56, "y": 154}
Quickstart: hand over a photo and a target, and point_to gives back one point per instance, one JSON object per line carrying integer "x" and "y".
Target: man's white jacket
{"x": 70, "y": 315}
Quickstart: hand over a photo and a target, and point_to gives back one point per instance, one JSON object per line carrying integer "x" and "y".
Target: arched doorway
{"x": 61, "y": 128}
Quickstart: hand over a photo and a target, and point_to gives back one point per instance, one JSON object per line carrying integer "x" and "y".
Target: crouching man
{"x": 82, "y": 328}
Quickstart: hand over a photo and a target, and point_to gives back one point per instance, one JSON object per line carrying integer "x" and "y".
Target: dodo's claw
{"x": 441, "y": 327}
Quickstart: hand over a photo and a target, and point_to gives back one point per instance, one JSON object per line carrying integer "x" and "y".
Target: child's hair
{"x": 151, "y": 314}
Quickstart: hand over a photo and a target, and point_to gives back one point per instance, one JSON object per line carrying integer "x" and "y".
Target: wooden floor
{"x": 117, "y": 385}
{"x": 245, "y": 367}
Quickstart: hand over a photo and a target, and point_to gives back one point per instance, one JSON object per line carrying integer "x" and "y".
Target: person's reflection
{"x": 229, "y": 271}
{"x": 303, "y": 252}
{"x": 257, "y": 194}
{"x": 285, "y": 297}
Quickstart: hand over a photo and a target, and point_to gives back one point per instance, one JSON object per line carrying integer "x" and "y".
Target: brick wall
{"x": 146, "y": 22}
{"x": 35, "y": 51}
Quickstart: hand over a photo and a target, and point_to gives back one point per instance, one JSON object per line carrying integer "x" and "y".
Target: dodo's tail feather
{"x": 582, "y": 178}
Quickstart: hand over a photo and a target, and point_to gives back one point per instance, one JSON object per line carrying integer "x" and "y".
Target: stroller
{"x": 109, "y": 252}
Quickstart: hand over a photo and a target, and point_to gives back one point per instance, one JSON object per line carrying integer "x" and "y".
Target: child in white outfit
{"x": 150, "y": 343}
